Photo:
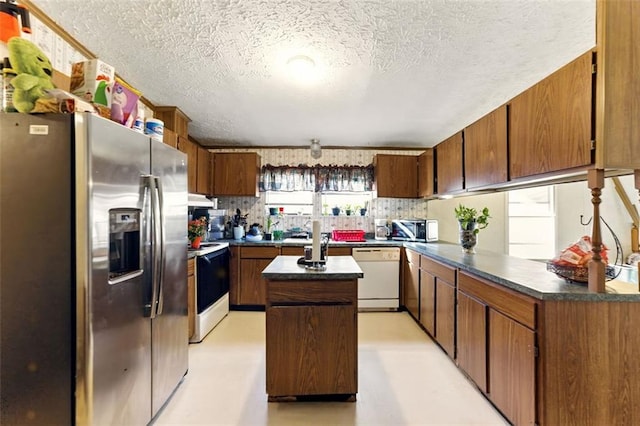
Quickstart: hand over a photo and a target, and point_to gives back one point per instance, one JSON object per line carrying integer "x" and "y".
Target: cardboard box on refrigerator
{"x": 124, "y": 103}
{"x": 93, "y": 81}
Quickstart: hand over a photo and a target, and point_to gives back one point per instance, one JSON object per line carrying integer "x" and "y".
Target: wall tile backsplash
{"x": 380, "y": 208}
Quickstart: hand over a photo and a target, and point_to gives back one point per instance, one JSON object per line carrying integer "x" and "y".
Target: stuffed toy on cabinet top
{"x": 33, "y": 74}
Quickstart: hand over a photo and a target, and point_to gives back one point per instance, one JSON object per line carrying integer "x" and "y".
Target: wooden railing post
{"x": 596, "y": 266}
{"x": 636, "y": 175}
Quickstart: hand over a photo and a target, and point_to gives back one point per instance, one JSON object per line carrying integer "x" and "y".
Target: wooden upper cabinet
{"x": 203, "y": 172}
{"x": 425, "y": 174}
{"x": 174, "y": 119}
{"x": 170, "y": 138}
{"x": 485, "y": 150}
{"x": 396, "y": 175}
{"x": 618, "y": 85}
{"x": 236, "y": 173}
{"x": 550, "y": 123}
{"x": 191, "y": 149}
{"x": 449, "y": 170}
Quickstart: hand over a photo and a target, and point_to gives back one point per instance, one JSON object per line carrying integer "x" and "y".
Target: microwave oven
{"x": 421, "y": 230}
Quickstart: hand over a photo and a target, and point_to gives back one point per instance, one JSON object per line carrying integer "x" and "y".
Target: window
{"x": 354, "y": 200}
{"x": 532, "y": 223}
{"x": 294, "y": 203}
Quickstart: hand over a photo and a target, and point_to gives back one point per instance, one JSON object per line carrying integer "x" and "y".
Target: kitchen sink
{"x": 297, "y": 240}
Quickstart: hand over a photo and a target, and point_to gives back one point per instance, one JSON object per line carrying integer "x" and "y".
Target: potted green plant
{"x": 196, "y": 231}
{"x": 336, "y": 211}
{"x": 347, "y": 209}
{"x": 470, "y": 223}
{"x": 267, "y": 234}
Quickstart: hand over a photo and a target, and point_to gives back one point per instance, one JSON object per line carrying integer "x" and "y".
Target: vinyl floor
{"x": 404, "y": 378}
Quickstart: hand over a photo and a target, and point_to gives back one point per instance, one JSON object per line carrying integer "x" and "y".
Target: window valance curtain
{"x": 316, "y": 178}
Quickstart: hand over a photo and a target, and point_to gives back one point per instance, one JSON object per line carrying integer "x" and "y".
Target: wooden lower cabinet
{"x": 471, "y": 336}
{"x": 496, "y": 345}
{"x": 310, "y": 350}
{"x": 512, "y": 372}
{"x": 292, "y": 250}
{"x": 428, "y": 302}
{"x": 247, "y": 287}
{"x": 234, "y": 274}
{"x": 411, "y": 283}
{"x": 438, "y": 303}
{"x": 191, "y": 296}
{"x": 311, "y": 338}
{"x": 251, "y": 286}
{"x": 545, "y": 361}
{"x": 338, "y": 251}
{"x": 446, "y": 316}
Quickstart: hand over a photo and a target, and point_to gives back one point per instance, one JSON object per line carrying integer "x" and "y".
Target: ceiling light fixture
{"x": 316, "y": 150}
{"x": 302, "y": 68}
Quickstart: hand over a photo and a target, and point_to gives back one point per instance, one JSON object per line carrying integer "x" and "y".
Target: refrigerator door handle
{"x": 147, "y": 194}
{"x": 162, "y": 246}
{"x": 155, "y": 224}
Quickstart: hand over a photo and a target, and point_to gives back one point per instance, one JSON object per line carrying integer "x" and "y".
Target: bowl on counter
{"x": 253, "y": 238}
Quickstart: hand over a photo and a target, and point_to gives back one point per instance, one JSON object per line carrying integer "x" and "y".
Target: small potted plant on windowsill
{"x": 267, "y": 234}
{"x": 470, "y": 224}
{"x": 336, "y": 211}
{"x": 347, "y": 209}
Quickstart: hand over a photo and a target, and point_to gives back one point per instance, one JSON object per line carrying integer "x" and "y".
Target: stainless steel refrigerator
{"x": 93, "y": 253}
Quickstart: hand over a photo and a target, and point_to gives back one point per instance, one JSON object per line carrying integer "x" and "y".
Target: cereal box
{"x": 124, "y": 103}
{"x": 93, "y": 81}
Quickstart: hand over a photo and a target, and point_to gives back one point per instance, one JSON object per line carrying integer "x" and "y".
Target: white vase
{"x": 238, "y": 232}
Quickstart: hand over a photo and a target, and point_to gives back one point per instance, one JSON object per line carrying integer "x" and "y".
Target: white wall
{"x": 493, "y": 238}
{"x": 574, "y": 199}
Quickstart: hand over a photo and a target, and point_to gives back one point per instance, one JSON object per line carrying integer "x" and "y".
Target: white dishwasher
{"x": 379, "y": 290}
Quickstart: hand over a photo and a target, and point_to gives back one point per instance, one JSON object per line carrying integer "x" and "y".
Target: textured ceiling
{"x": 406, "y": 73}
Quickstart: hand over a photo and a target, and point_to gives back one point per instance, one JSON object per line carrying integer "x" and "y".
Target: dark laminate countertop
{"x": 302, "y": 242}
{"x": 287, "y": 268}
{"x": 525, "y": 276}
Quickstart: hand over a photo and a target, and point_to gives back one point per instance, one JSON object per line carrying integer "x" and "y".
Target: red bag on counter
{"x": 579, "y": 253}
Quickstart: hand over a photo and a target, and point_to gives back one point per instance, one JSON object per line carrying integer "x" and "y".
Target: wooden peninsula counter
{"x": 312, "y": 329}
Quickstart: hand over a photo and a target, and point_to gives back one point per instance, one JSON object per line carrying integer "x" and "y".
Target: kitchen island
{"x": 312, "y": 329}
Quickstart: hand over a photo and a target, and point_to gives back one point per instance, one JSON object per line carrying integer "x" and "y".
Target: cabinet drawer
{"x": 292, "y": 251}
{"x": 311, "y": 292}
{"x": 445, "y": 273}
{"x": 413, "y": 256}
{"x": 259, "y": 252}
{"x": 339, "y": 251}
{"x": 517, "y": 306}
{"x": 191, "y": 266}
